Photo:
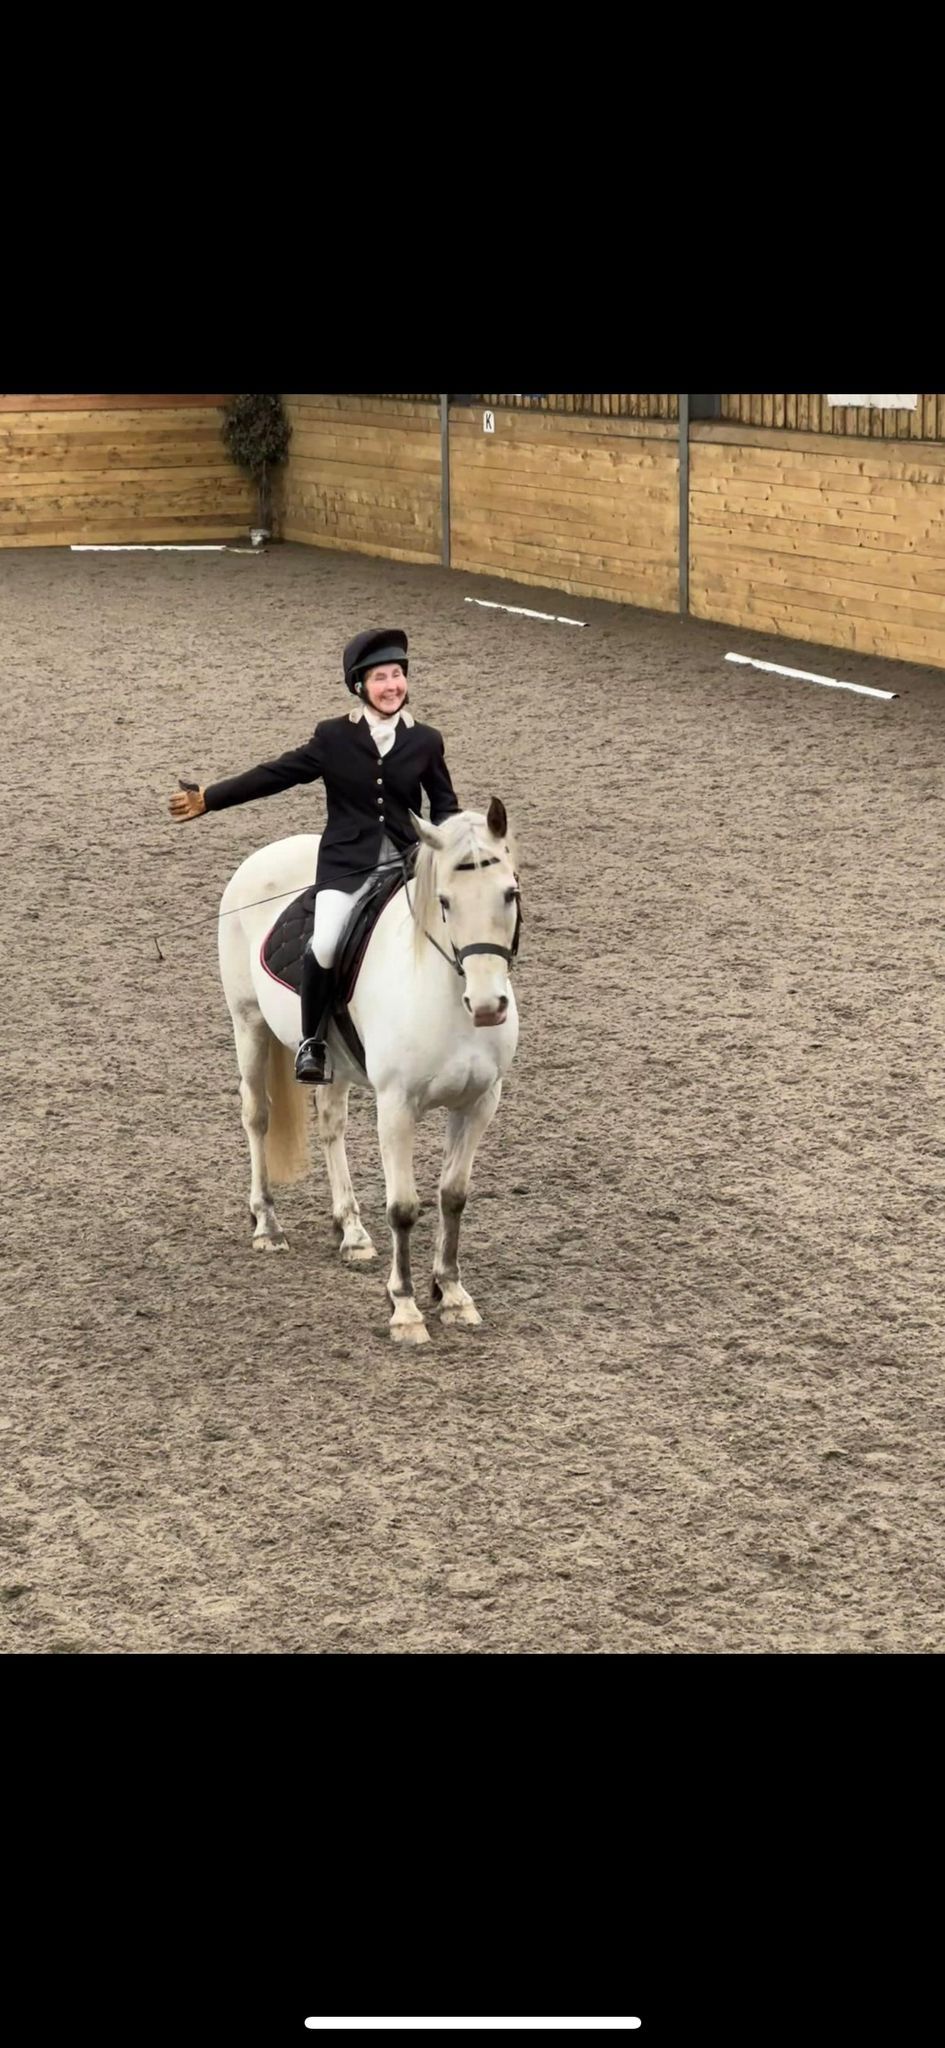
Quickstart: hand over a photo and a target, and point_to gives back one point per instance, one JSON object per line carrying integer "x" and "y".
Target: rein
{"x": 460, "y": 953}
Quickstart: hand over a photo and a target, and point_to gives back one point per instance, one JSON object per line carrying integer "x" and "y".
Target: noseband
{"x": 461, "y": 953}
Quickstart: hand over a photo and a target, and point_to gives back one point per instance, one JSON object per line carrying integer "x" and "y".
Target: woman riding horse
{"x": 374, "y": 761}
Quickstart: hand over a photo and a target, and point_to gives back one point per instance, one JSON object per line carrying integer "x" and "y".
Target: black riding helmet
{"x": 371, "y": 650}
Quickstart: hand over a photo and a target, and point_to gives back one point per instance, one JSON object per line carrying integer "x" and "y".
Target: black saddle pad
{"x": 284, "y": 945}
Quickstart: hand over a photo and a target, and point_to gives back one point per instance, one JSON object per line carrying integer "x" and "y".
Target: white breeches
{"x": 332, "y": 911}
{"x": 333, "y": 907}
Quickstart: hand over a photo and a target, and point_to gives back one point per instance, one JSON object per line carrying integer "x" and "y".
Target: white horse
{"x": 437, "y": 1018}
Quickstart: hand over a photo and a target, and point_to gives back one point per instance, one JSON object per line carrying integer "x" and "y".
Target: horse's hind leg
{"x": 251, "y": 1033}
{"x": 331, "y": 1103}
{"x": 463, "y": 1134}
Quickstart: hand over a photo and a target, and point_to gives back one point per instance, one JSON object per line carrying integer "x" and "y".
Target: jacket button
{"x": 379, "y": 780}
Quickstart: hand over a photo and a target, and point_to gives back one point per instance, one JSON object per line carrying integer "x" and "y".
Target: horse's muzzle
{"x": 491, "y": 1013}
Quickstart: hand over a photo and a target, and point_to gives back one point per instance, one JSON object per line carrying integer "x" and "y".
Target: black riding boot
{"x": 316, "y": 1006}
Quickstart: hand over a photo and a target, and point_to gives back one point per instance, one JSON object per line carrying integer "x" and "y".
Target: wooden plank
{"x": 570, "y": 429}
{"x": 386, "y": 510}
{"x": 559, "y": 570}
{"x": 813, "y": 563}
{"x": 899, "y": 641}
{"x": 838, "y": 541}
{"x": 580, "y": 507}
{"x": 717, "y": 433}
{"x": 326, "y": 519}
{"x": 744, "y": 493}
{"x": 147, "y": 533}
{"x": 337, "y": 478}
{"x": 895, "y": 473}
{"x": 918, "y": 610}
{"x": 591, "y": 584}
{"x": 609, "y": 470}
{"x": 170, "y": 504}
{"x": 38, "y": 428}
{"x": 899, "y": 482}
{"x": 603, "y": 456}
{"x": 881, "y": 492}
{"x": 67, "y": 401}
{"x": 358, "y": 547}
{"x": 566, "y": 476}
{"x": 136, "y": 463}
{"x": 825, "y": 463}
{"x": 115, "y": 421}
{"x": 178, "y": 486}
{"x": 383, "y": 506}
{"x": 359, "y": 401}
{"x": 356, "y": 448}
{"x": 798, "y": 531}
{"x": 925, "y": 529}
{"x": 383, "y": 503}
{"x": 568, "y": 547}
{"x": 648, "y": 553}
{"x": 558, "y": 483}
{"x": 536, "y": 482}
{"x": 625, "y": 532}
{"x": 408, "y": 428}
{"x": 400, "y": 425}
{"x": 575, "y": 586}
{"x": 82, "y": 483}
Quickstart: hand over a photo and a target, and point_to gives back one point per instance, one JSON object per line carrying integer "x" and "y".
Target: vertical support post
{"x": 445, "y": 477}
{"x": 684, "y": 503}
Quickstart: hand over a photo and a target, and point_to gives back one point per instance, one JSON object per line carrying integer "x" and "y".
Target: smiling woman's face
{"x": 385, "y": 688}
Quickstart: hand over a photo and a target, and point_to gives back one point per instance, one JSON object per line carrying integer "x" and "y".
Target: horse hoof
{"x": 358, "y": 1254}
{"x": 265, "y": 1243}
{"x": 410, "y": 1333}
{"x": 467, "y": 1314}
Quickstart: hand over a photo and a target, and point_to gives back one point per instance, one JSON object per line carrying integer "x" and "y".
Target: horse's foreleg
{"x": 331, "y": 1104}
{"x": 396, "y": 1130}
{"x": 252, "y": 1046}
{"x": 463, "y": 1133}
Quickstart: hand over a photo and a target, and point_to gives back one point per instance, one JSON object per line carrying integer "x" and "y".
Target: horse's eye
{"x": 510, "y": 895}
{"x": 444, "y": 902}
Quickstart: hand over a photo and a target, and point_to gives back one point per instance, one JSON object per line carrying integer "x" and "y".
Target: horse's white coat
{"x": 423, "y": 1050}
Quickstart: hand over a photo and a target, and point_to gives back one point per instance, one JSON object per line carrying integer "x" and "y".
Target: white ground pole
{"x": 806, "y": 675}
{"x": 523, "y": 612}
{"x": 142, "y": 548}
{"x": 569, "y": 2025}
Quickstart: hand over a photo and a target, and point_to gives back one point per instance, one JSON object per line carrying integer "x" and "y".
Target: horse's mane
{"x": 465, "y": 837}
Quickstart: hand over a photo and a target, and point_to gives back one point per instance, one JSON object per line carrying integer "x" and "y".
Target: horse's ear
{"x": 496, "y": 819}
{"x": 428, "y": 833}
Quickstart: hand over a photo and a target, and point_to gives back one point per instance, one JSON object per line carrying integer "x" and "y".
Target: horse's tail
{"x": 288, "y": 1154}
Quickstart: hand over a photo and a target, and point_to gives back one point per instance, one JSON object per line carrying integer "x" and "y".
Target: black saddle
{"x": 282, "y": 948}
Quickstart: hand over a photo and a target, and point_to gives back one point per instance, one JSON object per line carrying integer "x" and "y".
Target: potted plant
{"x": 256, "y": 435}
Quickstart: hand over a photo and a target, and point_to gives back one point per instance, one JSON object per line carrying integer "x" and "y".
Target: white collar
{"x": 374, "y": 717}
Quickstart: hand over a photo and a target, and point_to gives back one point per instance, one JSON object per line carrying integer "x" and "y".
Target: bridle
{"x": 461, "y": 953}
